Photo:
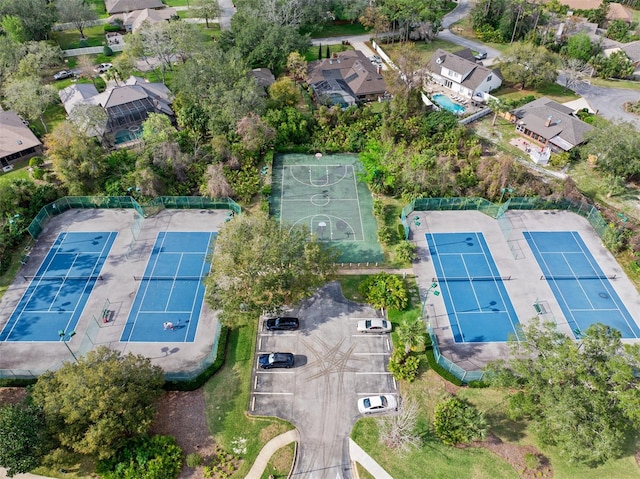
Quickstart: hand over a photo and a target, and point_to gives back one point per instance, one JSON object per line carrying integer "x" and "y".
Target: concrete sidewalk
{"x": 358, "y": 455}
{"x": 268, "y": 450}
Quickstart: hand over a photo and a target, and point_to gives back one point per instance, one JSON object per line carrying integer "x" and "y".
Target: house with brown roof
{"x": 132, "y": 21}
{"x": 124, "y": 6}
{"x": 550, "y": 124}
{"x": 460, "y": 73}
{"x": 617, "y": 11}
{"x": 17, "y": 141}
{"x": 127, "y": 106}
{"x": 346, "y": 79}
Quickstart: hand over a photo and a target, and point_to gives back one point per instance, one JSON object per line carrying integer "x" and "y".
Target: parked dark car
{"x": 281, "y": 324}
{"x": 275, "y": 360}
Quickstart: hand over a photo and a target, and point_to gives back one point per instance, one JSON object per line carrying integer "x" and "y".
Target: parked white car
{"x": 103, "y": 67}
{"x": 373, "y": 404}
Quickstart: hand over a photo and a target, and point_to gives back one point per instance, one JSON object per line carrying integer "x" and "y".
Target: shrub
{"x": 403, "y": 366}
{"x": 194, "y": 459}
{"x": 531, "y": 460}
{"x": 37, "y": 173}
{"x": 107, "y": 51}
{"x": 156, "y": 457}
{"x": 406, "y": 251}
{"x": 36, "y": 161}
{"x": 83, "y": 43}
{"x": 457, "y": 421}
{"x": 387, "y": 235}
{"x": 400, "y": 228}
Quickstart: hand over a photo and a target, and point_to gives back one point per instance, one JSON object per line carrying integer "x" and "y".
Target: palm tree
{"x": 411, "y": 333}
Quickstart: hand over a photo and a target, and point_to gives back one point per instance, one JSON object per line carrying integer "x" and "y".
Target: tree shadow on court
{"x": 463, "y": 352}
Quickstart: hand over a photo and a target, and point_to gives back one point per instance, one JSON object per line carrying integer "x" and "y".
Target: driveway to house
{"x": 334, "y": 366}
{"x": 462, "y": 10}
{"x": 609, "y": 102}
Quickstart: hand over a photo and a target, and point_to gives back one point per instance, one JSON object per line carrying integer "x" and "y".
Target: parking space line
{"x": 275, "y": 394}
{"x": 370, "y": 335}
{"x": 276, "y": 335}
{"x": 275, "y": 372}
{"x": 392, "y": 393}
{"x": 371, "y": 354}
{"x": 376, "y": 372}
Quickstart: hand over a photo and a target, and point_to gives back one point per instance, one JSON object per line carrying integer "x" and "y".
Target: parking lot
{"x": 334, "y": 366}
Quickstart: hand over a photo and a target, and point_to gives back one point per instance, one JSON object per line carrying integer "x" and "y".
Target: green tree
{"x": 616, "y": 147}
{"x": 30, "y": 97}
{"x": 403, "y": 366}
{"x": 259, "y": 266}
{"x": 94, "y": 406}
{"x": 14, "y": 28}
{"x": 616, "y": 65}
{"x": 457, "y": 421}
{"x": 38, "y": 16}
{"x": 580, "y": 47}
{"x": 207, "y": 9}
{"x": 23, "y": 438}
{"x": 283, "y": 92}
{"x": 77, "y": 160}
{"x": 412, "y": 333}
{"x": 78, "y": 12}
{"x": 581, "y": 396}
{"x": 384, "y": 290}
{"x": 529, "y": 65}
{"x": 297, "y": 66}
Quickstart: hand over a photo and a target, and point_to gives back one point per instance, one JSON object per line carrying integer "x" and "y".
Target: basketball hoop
{"x": 318, "y": 155}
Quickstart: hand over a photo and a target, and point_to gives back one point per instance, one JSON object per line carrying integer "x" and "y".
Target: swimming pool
{"x": 445, "y": 102}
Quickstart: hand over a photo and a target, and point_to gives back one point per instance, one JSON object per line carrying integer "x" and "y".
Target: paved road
{"x": 608, "y": 101}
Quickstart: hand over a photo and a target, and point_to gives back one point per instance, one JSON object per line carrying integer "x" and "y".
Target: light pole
{"x": 431, "y": 289}
{"x": 503, "y": 191}
{"x": 63, "y": 337}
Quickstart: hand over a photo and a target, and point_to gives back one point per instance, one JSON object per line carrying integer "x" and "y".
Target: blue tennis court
{"x": 171, "y": 290}
{"x": 582, "y": 289}
{"x": 58, "y": 293}
{"x": 478, "y": 306}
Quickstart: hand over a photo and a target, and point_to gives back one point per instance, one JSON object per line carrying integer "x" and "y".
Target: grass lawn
{"x": 339, "y": 29}
{"x": 311, "y": 55}
{"x": 280, "y": 463}
{"x": 426, "y": 49}
{"x": 68, "y": 39}
{"x": 439, "y": 460}
{"x": 550, "y": 90}
{"x": 227, "y": 399}
{"x": 447, "y": 462}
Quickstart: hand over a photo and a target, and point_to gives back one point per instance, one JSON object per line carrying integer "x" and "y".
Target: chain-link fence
{"x": 146, "y": 209}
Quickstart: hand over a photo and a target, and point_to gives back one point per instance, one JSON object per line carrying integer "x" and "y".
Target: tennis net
{"x": 550, "y": 277}
{"x": 169, "y": 278}
{"x": 63, "y": 278}
{"x": 449, "y": 279}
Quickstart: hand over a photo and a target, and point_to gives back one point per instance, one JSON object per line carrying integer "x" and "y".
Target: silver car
{"x": 375, "y": 325}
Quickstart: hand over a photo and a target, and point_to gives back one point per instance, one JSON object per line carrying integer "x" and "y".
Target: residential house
{"x": 132, "y": 21}
{"x": 617, "y": 11}
{"x": 346, "y": 78}
{"x": 632, "y": 50}
{"x": 124, "y": 6}
{"x": 264, "y": 78}
{"x": 17, "y": 141}
{"x": 550, "y": 124}
{"x": 127, "y": 106}
{"x": 460, "y": 73}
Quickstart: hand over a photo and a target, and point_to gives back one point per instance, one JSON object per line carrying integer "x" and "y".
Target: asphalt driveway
{"x": 334, "y": 367}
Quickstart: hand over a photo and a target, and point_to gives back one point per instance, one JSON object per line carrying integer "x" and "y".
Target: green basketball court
{"x": 325, "y": 193}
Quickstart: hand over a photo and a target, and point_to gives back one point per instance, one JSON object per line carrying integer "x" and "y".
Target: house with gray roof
{"x": 17, "y": 141}
{"x": 124, "y": 6}
{"x": 346, "y": 79}
{"x": 550, "y": 124}
{"x": 460, "y": 73}
{"x": 127, "y": 106}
